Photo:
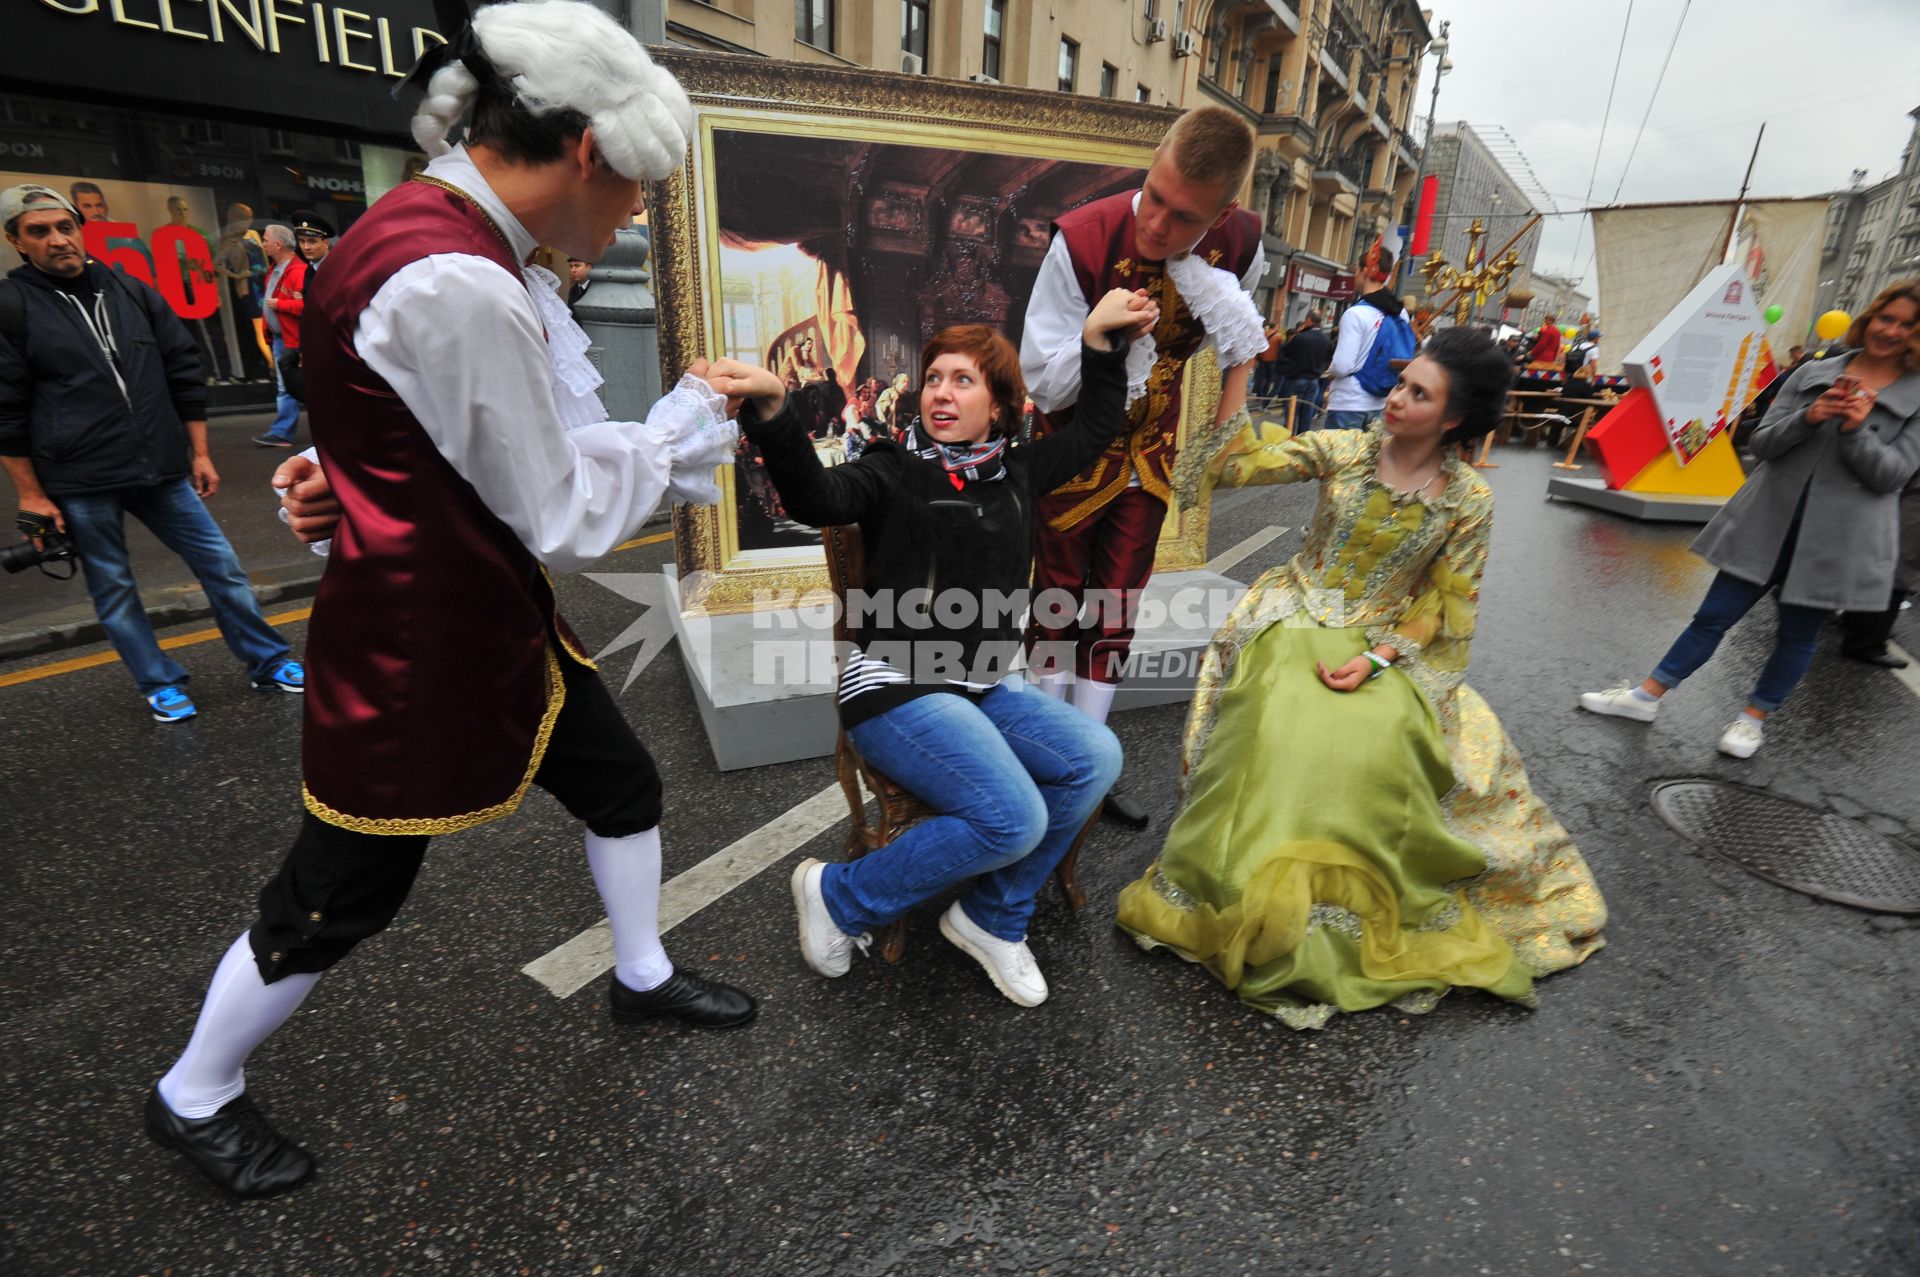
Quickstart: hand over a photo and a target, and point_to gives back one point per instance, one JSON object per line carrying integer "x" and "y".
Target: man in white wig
{"x": 442, "y": 682}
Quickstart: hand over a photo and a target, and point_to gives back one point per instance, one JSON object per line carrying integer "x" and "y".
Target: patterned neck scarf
{"x": 980, "y": 462}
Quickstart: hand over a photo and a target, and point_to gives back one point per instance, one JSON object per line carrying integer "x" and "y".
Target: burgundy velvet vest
{"x": 1099, "y": 238}
{"x": 433, "y": 678}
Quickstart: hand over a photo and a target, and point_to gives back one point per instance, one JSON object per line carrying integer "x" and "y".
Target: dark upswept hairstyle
{"x": 1479, "y": 374}
{"x": 998, "y": 362}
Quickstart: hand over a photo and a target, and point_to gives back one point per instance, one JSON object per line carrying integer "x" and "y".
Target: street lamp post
{"x": 1445, "y": 64}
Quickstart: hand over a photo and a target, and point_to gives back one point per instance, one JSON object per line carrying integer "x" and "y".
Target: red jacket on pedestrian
{"x": 289, "y": 298}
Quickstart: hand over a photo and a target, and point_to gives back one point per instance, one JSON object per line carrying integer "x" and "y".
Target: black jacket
{"x": 1307, "y": 353}
{"x": 62, "y": 406}
{"x": 921, "y": 533}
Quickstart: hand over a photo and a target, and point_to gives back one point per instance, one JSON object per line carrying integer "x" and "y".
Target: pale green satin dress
{"x": 1342, "y": 851}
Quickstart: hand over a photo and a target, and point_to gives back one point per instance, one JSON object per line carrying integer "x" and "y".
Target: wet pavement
{"x": 1728, "y": 1088}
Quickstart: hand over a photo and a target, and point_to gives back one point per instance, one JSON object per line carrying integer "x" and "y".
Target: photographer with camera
{"x": 103, "y": 408}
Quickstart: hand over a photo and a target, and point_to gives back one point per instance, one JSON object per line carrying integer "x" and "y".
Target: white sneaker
{"x": 1620, "y": 702}
{"x": 1742, "y": 737}
{"x": 826, "y": 948}
{"x": 1009, "y": 963}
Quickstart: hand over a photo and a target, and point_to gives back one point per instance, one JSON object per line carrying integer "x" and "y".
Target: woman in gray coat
{"x": 1818, "y": 519}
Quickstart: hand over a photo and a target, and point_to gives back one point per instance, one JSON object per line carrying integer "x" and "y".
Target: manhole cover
{"x": 1800, "y": 847}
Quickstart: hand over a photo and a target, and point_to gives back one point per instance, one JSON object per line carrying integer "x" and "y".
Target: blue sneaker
{"x": 287, "y": 676}
{"x": 170, "y": 705}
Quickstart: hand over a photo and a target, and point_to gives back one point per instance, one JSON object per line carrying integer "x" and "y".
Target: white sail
{"x": 1779, "y": 252}
{"x": 1650, "y": 256}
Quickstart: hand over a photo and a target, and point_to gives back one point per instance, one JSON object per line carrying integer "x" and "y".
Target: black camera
{"x": 55, "y": 547}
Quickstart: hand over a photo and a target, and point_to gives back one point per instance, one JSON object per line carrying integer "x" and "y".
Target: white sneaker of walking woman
{"x": 1008, "y": 963}
{"x": 1743, "y": 736}
{"x": 1624, "y": 701}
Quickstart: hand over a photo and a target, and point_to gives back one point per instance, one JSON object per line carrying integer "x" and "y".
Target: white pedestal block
{"x": 765, "y": 681}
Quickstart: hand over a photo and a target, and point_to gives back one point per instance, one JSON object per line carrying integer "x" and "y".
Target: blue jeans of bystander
{"x": 176, "y": 514}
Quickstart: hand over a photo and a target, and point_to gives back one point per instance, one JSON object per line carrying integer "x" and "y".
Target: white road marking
{"x": 589, "y": 955}
{"x": 1910, "y": 675}
{"x": 1226, "y": 559}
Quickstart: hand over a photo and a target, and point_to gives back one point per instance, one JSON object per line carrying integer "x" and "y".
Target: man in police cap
{"x": 314, "y": 236}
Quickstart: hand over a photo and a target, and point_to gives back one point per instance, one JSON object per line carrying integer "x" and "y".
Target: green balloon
{"x": 1773, "y": 314}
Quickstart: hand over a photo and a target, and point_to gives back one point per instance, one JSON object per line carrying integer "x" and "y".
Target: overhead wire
{"x": 1653, "y": 98}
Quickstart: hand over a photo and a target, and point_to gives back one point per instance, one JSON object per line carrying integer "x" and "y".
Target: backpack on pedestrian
{"x": 1393, "y": 341}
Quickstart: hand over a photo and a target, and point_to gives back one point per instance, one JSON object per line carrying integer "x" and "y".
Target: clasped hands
{"x": 1837, "y": 403}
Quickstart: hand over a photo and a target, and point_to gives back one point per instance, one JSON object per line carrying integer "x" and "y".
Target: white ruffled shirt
{"x": 503, "y": 387}
{"x": 1058, "y": 310}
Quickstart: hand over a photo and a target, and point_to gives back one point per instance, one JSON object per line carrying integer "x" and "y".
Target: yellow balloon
{"x": 1831, "y": 325}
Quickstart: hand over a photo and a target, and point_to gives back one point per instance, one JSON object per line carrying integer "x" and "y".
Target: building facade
{"x": 1328, "y": 84}
{"x": 1556, "y": 295}
{"x": 1474, "y": 185}
{"x": 194, "y": 127}
{"x": 1873, "y": 234}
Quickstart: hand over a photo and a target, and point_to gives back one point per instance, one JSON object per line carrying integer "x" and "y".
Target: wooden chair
{"x": 894, "y": 809}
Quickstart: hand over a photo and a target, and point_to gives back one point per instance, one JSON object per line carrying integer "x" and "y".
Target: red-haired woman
{"x": 947, "y": 516}
{"x": 1818, "y": 519}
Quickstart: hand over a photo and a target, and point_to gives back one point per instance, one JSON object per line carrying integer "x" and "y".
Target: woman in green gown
{"x": 1356, "y": 829}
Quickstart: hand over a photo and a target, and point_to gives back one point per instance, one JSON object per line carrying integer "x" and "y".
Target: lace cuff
{"x": 691, "y": 426}
{"x": 1222, "y": 307}
{"x": 1387, "y": 636}
{"x": 1140, "y": 358}
{"x": 1197, "y": 455}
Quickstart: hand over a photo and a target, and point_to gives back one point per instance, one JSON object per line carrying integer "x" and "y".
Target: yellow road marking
{"x": 108, "y": 658}
{"x": 655, "y": 539}
{"x": 77, "y": 663}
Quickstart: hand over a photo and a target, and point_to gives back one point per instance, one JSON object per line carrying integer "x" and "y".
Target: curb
{"x": 77, "y": 626}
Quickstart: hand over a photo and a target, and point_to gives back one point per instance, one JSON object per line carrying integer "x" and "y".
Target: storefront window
{"x": 180, "y": 202}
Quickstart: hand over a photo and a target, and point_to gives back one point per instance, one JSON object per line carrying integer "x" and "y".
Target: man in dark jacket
{"x": 103, "y": 408}
{"x": 1303, "y": 361}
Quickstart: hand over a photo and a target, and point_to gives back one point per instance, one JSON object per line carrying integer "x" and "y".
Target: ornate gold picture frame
{"x": 902, "y": 204}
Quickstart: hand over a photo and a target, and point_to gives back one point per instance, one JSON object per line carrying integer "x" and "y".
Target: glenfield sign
{"x": 304, "y": 61}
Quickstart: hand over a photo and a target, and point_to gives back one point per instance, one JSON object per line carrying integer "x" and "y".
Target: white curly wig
{"x": 568, "y": 55}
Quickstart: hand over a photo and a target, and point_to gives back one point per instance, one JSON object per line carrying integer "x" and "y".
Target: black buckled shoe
{"x": 691, "y": 999}
{"x": 1118, "y": 805}
{"x": 235, "y": 1148}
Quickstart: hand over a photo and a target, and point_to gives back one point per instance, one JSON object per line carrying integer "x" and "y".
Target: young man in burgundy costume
{"x": 444, "y": 683}
{"x": 1183, "y": 240}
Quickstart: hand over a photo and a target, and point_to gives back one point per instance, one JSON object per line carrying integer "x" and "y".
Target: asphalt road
{"x": 1728, "y": 1088}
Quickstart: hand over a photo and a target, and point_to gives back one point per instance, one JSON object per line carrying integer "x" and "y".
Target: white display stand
{"x": 762, "y": 706}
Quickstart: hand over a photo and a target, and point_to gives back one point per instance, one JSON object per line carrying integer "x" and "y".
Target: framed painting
{"x": 830, "y": 222}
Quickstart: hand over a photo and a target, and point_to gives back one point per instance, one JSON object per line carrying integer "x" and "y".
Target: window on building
{"x": 915, "y": 18}
{"x": 1141, "y": 93}
{"x": 279, "y": 140}
{"x": 1273, "y": 85}
{"x": 1069, "y": 64}
{"x": 996, "y": 21}
{"x": 813, "y": 22}
{"x": 346, "y": 150}
{"x": 1109, "y": 80}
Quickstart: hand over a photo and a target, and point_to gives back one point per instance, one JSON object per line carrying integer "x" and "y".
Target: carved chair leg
{"x": 1067, "y": 873}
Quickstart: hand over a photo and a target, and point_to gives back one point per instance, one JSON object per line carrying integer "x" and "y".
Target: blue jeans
{"x": 1013, "y": 779}
{"x": 1728, "y": 599}
{"x": 287, "y": 409}
{"x": 1307, "y": 391}
{"x": 179, "y": 518}
{"x": 1348, "y": 420}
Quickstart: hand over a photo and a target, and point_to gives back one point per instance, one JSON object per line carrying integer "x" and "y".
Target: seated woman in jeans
{"x": 1818, "y": 519}
{"x": 947, "y": 516}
